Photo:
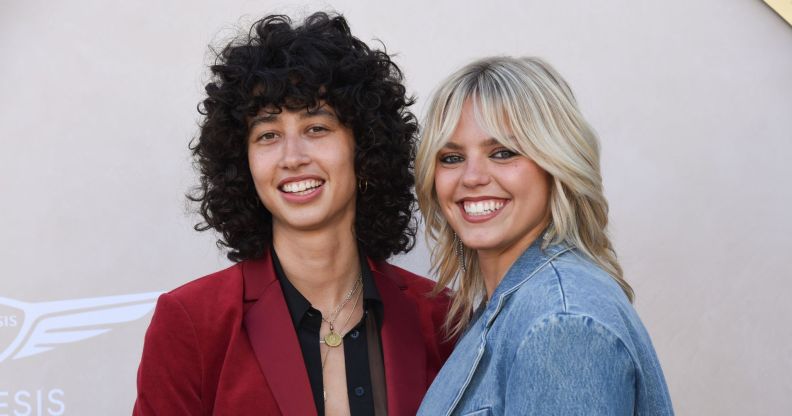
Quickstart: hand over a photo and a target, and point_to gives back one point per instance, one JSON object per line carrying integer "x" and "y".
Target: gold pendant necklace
{"x": 324, "y": 360}
{"x": 332, "y": 339}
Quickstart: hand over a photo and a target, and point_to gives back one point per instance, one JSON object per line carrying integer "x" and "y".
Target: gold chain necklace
{"x": 332, "y": 339}
{"x": 324, "y": 341}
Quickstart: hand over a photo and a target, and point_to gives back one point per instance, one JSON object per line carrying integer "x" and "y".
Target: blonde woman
{"x": 509, "y": 183}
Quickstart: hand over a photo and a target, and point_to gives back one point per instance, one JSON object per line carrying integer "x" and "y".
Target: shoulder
{"x": 406, "y": 280}
{"x": 577, "y": 342}
{"x": 417, "y": 290}
{"x": 570, "y": 284}
{"x": 218, "y": 287}
{"x": 578, "y": 276}
{"x": 571, "y": 296}
{"x": 567, "y": 330}
{"x": 574, "y": 344}
{"x": 206, "y": 303}
{"x": 217, "y": 280}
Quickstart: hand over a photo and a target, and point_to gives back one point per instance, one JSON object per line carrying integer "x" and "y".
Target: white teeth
{"x": 482, "y": 207}
{"x": 301, "y": 186}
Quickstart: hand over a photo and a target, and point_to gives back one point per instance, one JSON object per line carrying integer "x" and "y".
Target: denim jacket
{"x": 558, "y": 337}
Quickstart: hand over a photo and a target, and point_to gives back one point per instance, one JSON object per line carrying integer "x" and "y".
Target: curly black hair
{"x": 280, "y": 65}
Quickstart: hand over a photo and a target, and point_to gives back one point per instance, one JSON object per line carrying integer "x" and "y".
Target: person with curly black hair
{"x": 305, "y": 156}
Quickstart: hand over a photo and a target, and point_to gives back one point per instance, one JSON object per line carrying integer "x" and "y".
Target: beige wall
{"x": 693, "y": 102}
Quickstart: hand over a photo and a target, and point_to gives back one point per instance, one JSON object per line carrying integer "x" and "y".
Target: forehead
{"x": 469, "y": 130}
{"x": 320, "y": 109}
{"x": 272, "y": 113}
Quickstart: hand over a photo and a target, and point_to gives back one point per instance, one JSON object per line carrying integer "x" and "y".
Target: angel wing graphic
{"x": 48, "y": 324}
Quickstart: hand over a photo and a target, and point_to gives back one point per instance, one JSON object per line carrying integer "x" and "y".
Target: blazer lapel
{"x": 403, "y": 349}
{"x": 274, "y": 339}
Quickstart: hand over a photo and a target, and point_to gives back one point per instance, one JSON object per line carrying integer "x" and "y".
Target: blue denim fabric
{"x": 558, "y": 337}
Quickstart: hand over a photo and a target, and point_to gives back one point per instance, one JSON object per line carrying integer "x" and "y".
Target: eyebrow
{"x": 321, "y": 111}
{"x": 266, "y": 117}
{"x": 263, "y": 118}
{"x": 488, "y": 143}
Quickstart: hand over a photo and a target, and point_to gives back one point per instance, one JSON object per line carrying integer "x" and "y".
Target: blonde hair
{"x": 526, "y": 105}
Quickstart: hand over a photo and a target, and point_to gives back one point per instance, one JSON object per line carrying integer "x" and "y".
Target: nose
{"x": 294, "y": 153}
{"x": 475, "y": 173}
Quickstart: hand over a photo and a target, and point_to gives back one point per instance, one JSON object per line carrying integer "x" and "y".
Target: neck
{"x": 495, "y": 263}
{"x": 493, "y": 267}
{"x": 323, "y": 266}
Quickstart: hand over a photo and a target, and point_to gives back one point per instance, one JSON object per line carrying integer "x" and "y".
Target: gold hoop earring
{"x": 362, "y": 185}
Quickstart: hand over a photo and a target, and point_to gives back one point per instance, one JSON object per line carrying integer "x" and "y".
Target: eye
{"x": 317, "y": 130}
{"x": 450, "y": 159}
{"x": 266, "y": 136}
{"x": 503, "y": 154}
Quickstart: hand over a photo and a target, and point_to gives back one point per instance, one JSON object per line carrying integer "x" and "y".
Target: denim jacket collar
{"x": 523, "y": 269}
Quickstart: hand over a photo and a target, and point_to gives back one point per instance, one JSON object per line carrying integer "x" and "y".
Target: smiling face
{"x": 495, "y": 199}
{"x": 302, "y": 163}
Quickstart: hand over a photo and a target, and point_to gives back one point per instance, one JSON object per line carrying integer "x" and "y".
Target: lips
{"x": 481, "y": 208}
{"x": 478, "y": 208}
{"x": 300, "y": 186}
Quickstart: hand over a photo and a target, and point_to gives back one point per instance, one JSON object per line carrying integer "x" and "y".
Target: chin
{"x": 302, "y": 222}
{"x": 485, "y": 246}
{"x": 479, "y": 242}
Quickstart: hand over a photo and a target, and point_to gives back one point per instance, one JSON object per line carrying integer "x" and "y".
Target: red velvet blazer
{"x": 209, "y": 353}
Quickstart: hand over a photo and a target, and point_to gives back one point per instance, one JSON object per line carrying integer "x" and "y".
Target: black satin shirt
{"x": 307, "y": 321}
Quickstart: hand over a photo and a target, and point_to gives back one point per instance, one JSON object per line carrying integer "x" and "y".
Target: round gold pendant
{"x": 332, "y": 339}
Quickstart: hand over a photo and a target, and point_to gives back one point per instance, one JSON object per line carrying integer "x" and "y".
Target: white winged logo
{"x": 45, "y": 325}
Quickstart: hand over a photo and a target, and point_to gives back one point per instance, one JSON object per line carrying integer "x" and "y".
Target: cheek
{"x": 336, "y": 155}
{"x": 258, "y": 164}
{"x": 253, "y": 165}
{"x": 538, "y": 189}
{"x": 263, "y": 167}
{"x": 343, "y": 146}
{"x": 344, "y": 167}
{"x": 444, "y": 185}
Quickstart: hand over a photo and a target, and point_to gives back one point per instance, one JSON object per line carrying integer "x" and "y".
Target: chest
{"x": 235, "y": 383}
{"x": 472, "y": 377}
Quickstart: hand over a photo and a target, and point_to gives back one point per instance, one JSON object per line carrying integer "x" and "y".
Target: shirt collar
{"x": 298, "y": 305}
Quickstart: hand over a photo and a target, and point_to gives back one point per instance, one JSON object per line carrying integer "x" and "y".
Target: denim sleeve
{"x": 571, "y": 365}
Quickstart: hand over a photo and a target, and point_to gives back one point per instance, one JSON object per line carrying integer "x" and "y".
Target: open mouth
{"x": 303, "y": 187}
{"x": 483, "y": 207}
